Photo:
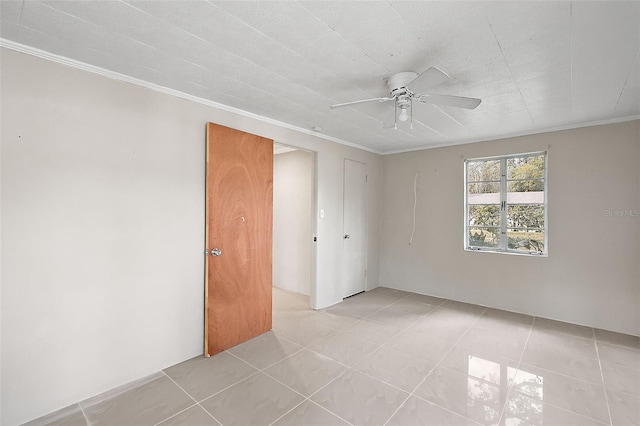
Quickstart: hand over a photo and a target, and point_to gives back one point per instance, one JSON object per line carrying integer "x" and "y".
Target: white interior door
{"x": 355, "y": 227}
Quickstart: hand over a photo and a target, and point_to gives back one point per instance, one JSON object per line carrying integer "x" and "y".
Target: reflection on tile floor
{"x": 395, "y": 358}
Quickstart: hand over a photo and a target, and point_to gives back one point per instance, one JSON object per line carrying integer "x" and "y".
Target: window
{"x": 506, "y": 204}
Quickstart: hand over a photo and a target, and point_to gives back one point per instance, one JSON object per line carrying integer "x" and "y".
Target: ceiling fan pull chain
{"x": 411, "y": 117}
{"x": 395, "y": 115}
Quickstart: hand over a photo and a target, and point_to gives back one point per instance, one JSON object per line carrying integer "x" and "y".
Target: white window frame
{"x": 503, "y": 246}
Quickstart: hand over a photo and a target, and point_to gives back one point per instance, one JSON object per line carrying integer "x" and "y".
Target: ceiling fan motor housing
{"x": 398, "y": 83}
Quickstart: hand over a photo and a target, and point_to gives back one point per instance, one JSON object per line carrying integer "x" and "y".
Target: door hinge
{"x": 366, "y": 178}
{"x": 365, "y": 273}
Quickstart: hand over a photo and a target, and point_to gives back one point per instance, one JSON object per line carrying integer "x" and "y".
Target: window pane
{"x": 526, "y": 240}
{"x": 484, "y": 237}
{"x": 484, "y": 193}
{"x": 483, "y": 170}
{"x": 529, "y": 185}
{"x": 481, "y": 215}
{"x": 525, "y": 167}
{"x": 525, "y": 216}
{"x": 484, "y": 188}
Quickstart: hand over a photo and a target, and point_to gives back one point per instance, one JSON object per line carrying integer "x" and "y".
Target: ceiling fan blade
{"x": 454, "y": 101}
{"x": 428, "y": 79}
{"x": 361, "y": 102}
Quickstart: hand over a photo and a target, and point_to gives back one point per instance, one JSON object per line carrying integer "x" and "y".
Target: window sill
{"x": 510, "y": 252}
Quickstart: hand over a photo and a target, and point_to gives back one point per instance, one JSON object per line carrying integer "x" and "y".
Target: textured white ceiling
{"x": 536, "y": 65}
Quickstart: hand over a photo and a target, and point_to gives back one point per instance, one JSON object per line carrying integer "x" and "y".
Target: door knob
{"x": 213, "y": 252}
{"x": 347, "y": 236}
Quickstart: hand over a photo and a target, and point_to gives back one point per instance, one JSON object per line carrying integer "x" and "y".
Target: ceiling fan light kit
{"x": 404, "y": 105}
{"x": 403, "y": 116}
{"x": 404, "y": 87}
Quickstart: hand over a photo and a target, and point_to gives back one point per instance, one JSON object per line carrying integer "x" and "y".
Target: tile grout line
{"x": 402, "y": 330}
{"x": 329, "y": 411}
{"x": 181, "y": 388}
{"x": 610, "y": 343}
{"x": 348, "y": 368}
{"x": 351, "y": 368}
{"x": 196, "y": 402}
{"x": 225, "y": 388}
{"x": 524, "y": 348}
{"x": 574, "y": 379}
{"x": 302, "y": 348}
{"x": 381, "y": 346}
{"x": 86, "y": 419}
{"x": 341, "y": 330}
{"x": 289, "y": 340}
{"x": 119, "y": 390}
{"x": 412, "y": 393}
{"x": 288, "y": 411}
{"x": 375, "y": 305}
{"x": 606, "y": 394}
{"x": 260, "y": 370}
{"x": 305, "y": 346}
{"x": 308, "y": 398}
{"x": 340, "y": 362}
{"x": 305, "y": 398}
{"x": 467, "y": 419}
{"x": 566, "y": 376}
{"x": 559, "y": 374}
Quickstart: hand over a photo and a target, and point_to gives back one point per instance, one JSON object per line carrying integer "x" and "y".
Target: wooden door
{"x": 239, "y": 215}
{"x": 355, "y": 227}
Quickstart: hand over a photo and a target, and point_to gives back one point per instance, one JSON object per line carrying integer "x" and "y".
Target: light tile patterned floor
{"x": 395, "y": 358}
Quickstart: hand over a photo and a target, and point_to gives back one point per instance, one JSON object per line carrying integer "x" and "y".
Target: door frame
{"x": 313, "y": 294}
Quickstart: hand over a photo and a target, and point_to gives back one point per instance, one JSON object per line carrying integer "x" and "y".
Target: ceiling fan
{"x": 405, "y": 87}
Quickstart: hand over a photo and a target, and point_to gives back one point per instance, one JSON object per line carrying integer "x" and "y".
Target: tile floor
{"x": 394, "y": 358}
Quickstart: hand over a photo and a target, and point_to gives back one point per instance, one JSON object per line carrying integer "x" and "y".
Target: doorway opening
{"x": 294, "y": 225}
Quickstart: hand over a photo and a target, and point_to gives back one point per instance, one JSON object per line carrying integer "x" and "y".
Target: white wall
{"x": 592, "y": 273}
{"x": 103, "y": 230}
{"x": 293, "y": 191}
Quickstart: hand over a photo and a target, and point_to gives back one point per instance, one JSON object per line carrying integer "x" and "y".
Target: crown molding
{"x": 171, "y": 92}
{"x": 519, "y": 134}
{"x": 167, "y": 91}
